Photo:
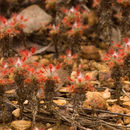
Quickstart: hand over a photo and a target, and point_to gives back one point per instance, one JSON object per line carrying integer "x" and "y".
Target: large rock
{"x": 21, "y": 125}
{"x": 116, "y": 35}
{"x": 90, "y": 52}
{"x": 36, "y": 16}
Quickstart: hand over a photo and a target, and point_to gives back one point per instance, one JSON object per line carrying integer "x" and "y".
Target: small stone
{"x": 60, "y": 102}
{"x": 21, "y": 124}
{"x": 42, "y": 102}
{"x": 15, "y": 102}
{"x": 35, "y": 58}
{"x": 12, "y": 91}
{"x": 44, "y": 61}
{"x": 16, "y": 112}
{"x": 64, "y": 90}
{"x": 90, "y": 52}
{"x": 25, "y": 102}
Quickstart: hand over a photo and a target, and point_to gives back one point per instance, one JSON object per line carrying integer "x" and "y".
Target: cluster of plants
{"x": 35, "y": 81}
{"x": 74, "y": 24}
{"x": 10, "y": 29}
{"x": 116, "y": 60}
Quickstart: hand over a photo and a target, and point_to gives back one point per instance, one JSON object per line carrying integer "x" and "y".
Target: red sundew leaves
{"x": 107, "y": 55}
{"x": 41, "y": 79}
{"x": 91, "y": 87}
{"x": 70, "y": 61}
{"x": 1, "y": 81}
{"x": 119, "y": 1}
{"x": 11, "y": 61}
{"x": 64, "y": 20}
{"x": 79, "y": 80}
{"x": 96, "y": 3}
{"x": 71, "y": 32}
{"x": 77, "y": 7}
{"x": 126, "y": 40}
{"x": 8, "y": 31}
{"x": 10, "y": 81}
{"x": 62, "y": 57}
{"x": 121, "y": 53}
{"x": 21, "y": 17}
{"x": 56, "y": 78}
{"x": 25, "y": 66}
{"x": 68, "y": 24}
{"x": 25, "y": 53}
{"x": 25, "y": 20}
{"x": 78, "y": 19}
{"x": 3, "y": 19}
{"x": 118, "y": 46}
{"x": 74, "y": 56}
{"x": 106, "y": 59}
{"x": 3, "y": 63}
{"x": 71, "y": 88}
{"x": 111, "y": 64}
{"x": 12, "y": 23}
{"x": 64, "y": 10}
{"x": 15, "y": 31}
{"x": 85, "y": 27}
{"x": 40, "y": 72}
{"x": 33, "y": 50}
{"x": 68, "y": 52}
{"x": 70, "y": 79}
{"x": 35, "y": 64}
{"x": 78, "y": 72}
{"x": 24, "y": 59}
{"x": 11, "y": 70}
{"x": 14, "y": 15}
{"x": 128, "y": 49}
{"x": 44, "y": 67}
{"x": 87, "y": 77}
{"x": 41, "y": 86}
{"x": 111, "y": 51}
{"x": 77, "y": 14}
{"x": 27, "y": 80}
{"x": 50, "y": 67}
{"x": 119, "y": 60}
{"x": 21, "y": 26}
{"x": 58, "y": 66}
{"x": 4, "y": 72}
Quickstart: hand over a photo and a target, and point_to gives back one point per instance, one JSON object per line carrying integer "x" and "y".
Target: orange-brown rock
{"x": 90, "y": 52}
{"x": 95, "y": 100}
